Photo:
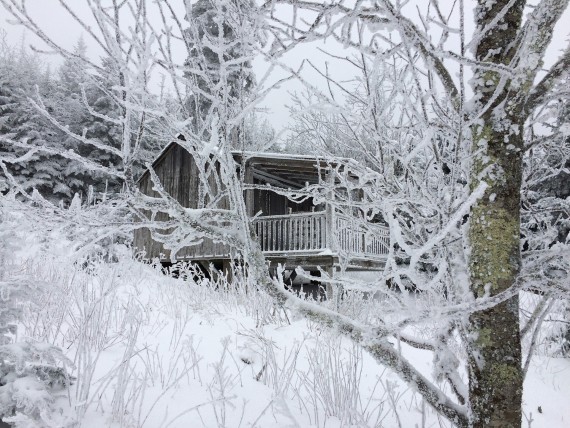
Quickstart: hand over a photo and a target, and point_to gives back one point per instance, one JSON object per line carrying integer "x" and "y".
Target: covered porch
{"x": 308, "y": 237}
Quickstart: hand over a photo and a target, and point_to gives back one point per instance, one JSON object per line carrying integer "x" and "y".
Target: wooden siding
{"x": 178, "y": 174}
{"x": 271, "y": 203}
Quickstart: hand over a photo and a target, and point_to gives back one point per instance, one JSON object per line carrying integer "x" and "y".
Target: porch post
{"x": 334, "y": 291}
{"x": 330, "y": 226}
{"x": 330, "y": 223}
{"x": 249, "y": 196}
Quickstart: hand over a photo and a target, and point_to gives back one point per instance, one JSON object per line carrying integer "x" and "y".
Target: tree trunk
{"x": 495, "y": 370}
{"x": 495, "y": 362}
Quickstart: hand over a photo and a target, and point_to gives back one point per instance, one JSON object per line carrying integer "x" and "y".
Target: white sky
{"x": 58, "y": 25}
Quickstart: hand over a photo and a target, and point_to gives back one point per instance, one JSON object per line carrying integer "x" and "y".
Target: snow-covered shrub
{"x": 33, "y": 374}
{"x": 32, "y": 377}
{"x": 557, "y": 326}
{"x": 235, "y": 290}
{"x": 332, "y": 383}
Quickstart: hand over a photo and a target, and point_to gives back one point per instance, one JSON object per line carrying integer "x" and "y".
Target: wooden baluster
{"x": 323, "y": 232}
{"x": 274, "y": 233}
{"x": 316, "y": 232}
{"x": 312, "y": 232}
{"x": 288, "y": 238}
{"x": 313, "y": 246}
{"x": 320, "y": 237}
{"x": 308, "y": 233}
{"x": 290, "y": 234}
{"x": 293, "y": 234}
{"x": 265, "y": 235}
{"x": 261, "y": 234}
{"x": 258, "y": 231}
{"x": 304, "y": 232}
{"x": 283, "y": 245}
{"x": 299, "y": 233}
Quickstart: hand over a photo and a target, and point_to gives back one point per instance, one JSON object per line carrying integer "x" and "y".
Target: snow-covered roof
{"x": 266, "y": 158}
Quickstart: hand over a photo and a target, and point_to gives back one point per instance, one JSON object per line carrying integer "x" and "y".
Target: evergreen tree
{"x": 84, "y": 104}
{"x": 21, "y": 78}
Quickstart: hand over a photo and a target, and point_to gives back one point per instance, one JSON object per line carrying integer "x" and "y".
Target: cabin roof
{"x": 290, "y": 169}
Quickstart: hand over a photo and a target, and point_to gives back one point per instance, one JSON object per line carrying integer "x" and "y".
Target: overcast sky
{"x": 58, "y": 25}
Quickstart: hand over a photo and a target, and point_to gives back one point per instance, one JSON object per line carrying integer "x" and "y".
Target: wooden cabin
{"x": 290, "y": 233}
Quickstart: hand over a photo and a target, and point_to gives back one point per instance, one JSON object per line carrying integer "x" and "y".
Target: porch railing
{"x": 292, "y": 232}
{"x": 309, "y": 232}
{"x": 358, "y": 240}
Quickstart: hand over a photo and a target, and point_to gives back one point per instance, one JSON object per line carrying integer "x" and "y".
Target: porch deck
{"x": 315, "y": 233}
{"x": 310, "y": 240}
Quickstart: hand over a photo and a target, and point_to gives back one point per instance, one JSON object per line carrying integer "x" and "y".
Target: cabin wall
{"x": 271, "y": 203}
{"x": 178, "y": 174}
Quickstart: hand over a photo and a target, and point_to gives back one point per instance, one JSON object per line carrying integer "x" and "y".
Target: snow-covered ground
{"x": 154, "y": 351}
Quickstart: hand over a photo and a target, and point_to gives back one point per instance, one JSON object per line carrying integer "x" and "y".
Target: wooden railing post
{"x": 249, "y": 194}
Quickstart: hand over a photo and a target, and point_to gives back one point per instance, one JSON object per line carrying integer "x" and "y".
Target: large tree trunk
{"x": 495, "y": 372}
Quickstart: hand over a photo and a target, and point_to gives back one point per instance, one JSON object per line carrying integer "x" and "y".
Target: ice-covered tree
{"x": 32, "y": 374}
{"x": 218, "y": 66}
{"x": 451, "y": 194}
{"x": 485, "y": 120}
{"x": 545, "y": 211}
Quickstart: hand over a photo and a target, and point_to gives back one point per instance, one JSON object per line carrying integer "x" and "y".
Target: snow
{"x": 166, "y": 352}
{"x": 546, "y": 392}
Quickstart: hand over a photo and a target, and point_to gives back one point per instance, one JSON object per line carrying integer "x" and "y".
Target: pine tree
{"x": 21, "y": 78}
{"x": 80, "y": 94}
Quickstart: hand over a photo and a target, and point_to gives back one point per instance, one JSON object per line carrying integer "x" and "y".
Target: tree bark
{"x": 495, "y": 361}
